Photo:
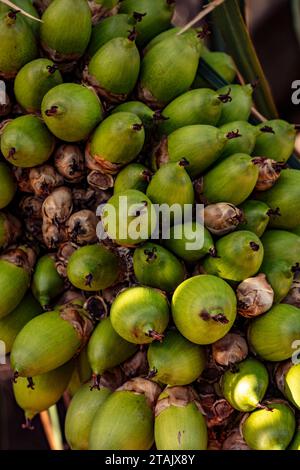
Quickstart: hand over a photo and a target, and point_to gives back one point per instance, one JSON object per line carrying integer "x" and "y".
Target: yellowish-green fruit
{"x": 8, "y": 185}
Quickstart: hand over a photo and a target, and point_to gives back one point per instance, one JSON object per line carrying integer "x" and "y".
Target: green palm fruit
{"x": 256, "y": 217}
{"x": 179, "y": 422}
{"x": 240, "y": 255}
{"x": 287, "y": 377}
{"x": 272, "y": 335}
{"x": 296, "y": 230}
{"x": 176, "y": 361}
{"x": 18, "y": 44}
{"x": 161, "y": 37}
{"x": 114, "y": 69}
{"x": 82, "y": 372}
{"x": 140, "y": 314}
{"x": 66, "y": 29}
{"x": 245, "y": 141}
{"x": 281, "y": 245}
{"x": 270, "y": 429}
{"x": 204, "y": 309}
{"x": 12, "y": 324}
{"x": 245, "y": 387}
{"x": 129, "y": 218}
{"x": 33, "y": 81}
{"x": 221, "y": 63}
{"x": 190, "y": 241}
{"x": 117, "y": 141}
{"x": 169, "y": 68}
{"x": 201, "y": 145}
{"x": 71, "y": 111}
{"x": 146, "y": 114}
{"x": 50, "y": 340}
{"x": 237, "y": 106}
{"x": 155, "y": 266}
{"x": 46, "y": 282}
{"x": 7, "y": 184}
{"x": 133, "y": 176}
{"x": 27, "y": 6}
{"x": 158, "y": 16}
{"x": 283, "y": 199}
{"x": 80, "y": 415}
{"x": 92, "y": 268}
{"x": 46, "y": 391}
{"x": 106, "y": 349}
{"x": 102, "y": 8}
{"x": 193, "y": 107}
{"x": 232, "y": 180}
{"x": 125, "y": 420}
{"x": 280, "y": 275}
{"x": 26, "y": 142}
{"x": 276, "y": 140}
{"x": 295, "y": 445}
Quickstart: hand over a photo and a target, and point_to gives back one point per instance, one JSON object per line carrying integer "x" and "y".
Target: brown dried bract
{"x": 255, "y": 296}
{"x": 44, "y": 179}
{"x": 78, "y": 318}
{"x": 69, "y": 162}
{"x": 57, "y": 207}
{"x": 178, "y": 396}
{"x": 105, "y": 94}
{"x": 269, "y": 173}
{"x": 230, "y": 350}
{"x": 81, "y": 227}
{"x": 222, "y": 218}
{"x": 141, "y": 386}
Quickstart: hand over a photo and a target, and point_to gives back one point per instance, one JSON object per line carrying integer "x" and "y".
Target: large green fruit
{"x": 46, "y": 282}
{"x": 133, "y": 176}
{"x": 7, "y": 184}
{"x": 221, "y": 62}
{"x": 204, "y": 309}
{"x": 245, "y": 143}
{"x": 146, "y": 114}
{"x": 238, "y": 105}
{"x": 256, "y": 216}
{"x": 288, "y": 381}
{"x": 276, "y": 140}
{"x": 27, "y": 6}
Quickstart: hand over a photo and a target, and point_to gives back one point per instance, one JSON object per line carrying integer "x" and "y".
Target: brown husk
{"x": 141, "y": 386}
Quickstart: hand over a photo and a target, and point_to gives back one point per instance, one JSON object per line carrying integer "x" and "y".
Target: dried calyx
{"x": 22, "y": 256}
{"x": 79, "y": 319}
{"x": 144, "y": 387}
{"x": 98, "y": 180}
{"x": 44, "y": 179}
{"x": 96, "y": 307}
{"x": 69, "y": 162}
{"x": 293, "y": 297}
{"x": 81, "y": 227}
{"x": 57, "y": 207}
{"x": 230, "y": 350}
{"x": 222, "y": 218}
{"x": 64, "y": 252}
{"x": 179, "y": 397}
{"x": 53, "y": 233}
{"x": 255, "y": 296}
{"x": 269, "y": 172}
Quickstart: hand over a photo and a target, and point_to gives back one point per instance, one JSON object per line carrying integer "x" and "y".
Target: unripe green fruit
{"x": 257, "y": 217}
{"x": 232, "y": 180}
{"x": 222, "y": 64}
{"x": 245, "y": 387}
{"x": 140, "y": 314}
{"x": 46, "y": 282}
{"x": 288, "y": 382}
{"x": 280, "y": 275}
{"x": 92, "y": 268}
{"x": 295, "y": 445}
{"x": 26, "y": 142}
{"x": 146, "y": 114}
{"x": 270, "y": 430}
{"x": 239, "y": 256}
{"x": 204, "y": 309}
{"x": 190, "y": 241}
{"x": 176, "y": 361}
{"x": 66, "y": 29}
{"x": 81, "y": 374}
{"x": 161, "y": 37}
{"x": 133, "y": 176}
{"x": 272, "y": 335}
{"x": 245, "y": 143}
{"x": 7, "y": 184}
{"x": 33, "y": 81}
{"x": 296, "y": 230}
{"x": 80, "y": 415}
{"x": 276, "y": 140}
{"x": 179, "y": 423}
{"x": 27, "y": 6}
{"x": 155, "y": 266}
{"x": 239, "y": 107}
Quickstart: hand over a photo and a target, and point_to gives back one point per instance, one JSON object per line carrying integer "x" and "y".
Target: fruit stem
{"x": 152, "y": 373}
{"x": 15, "y": 377}
{"x": 137, "y": 127}
{"x": 218, "y": 317}
{"x": 11, "y": 153}
{"x": 52, "y": 68}
{"x": 53, "y": 111}
{"x": 30, "y": 383}
{"x": 138, "y": 16}
{"x": 155, "y": 335}
{"x": 151, "y": 254}
{"x": 205, "y": 32}
{"x": 267, "y": 129}
{"x": 158, "y": 116}
{"x": 88, "y": 280}
{"x": 184, "y": 162}
{"x": 147, "y": 175}
{"x": 274, "y": 212}
{"x": 233, "y": 135}
{"x": 28, "y": 424}
{"x": 133, "y": 35}
{"x": 96, "y": 382}
{"x": 264, "y": 407}
{"x": 11, "y": 17}
{"x": 254, "y": 246}
{"x": 213, "y": 253}
{"x": 225, "y": 98}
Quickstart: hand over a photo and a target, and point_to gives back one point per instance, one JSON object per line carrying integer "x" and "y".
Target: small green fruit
{"x": 281, "y": 245}
{"x": 221, "y": 62}
{"x": 276, "y": 140}
{"x": 245, "y": 143}
{"x": 46, "y": 282}
{"x": 237, "y": 103}
{"x": 27, "y": 6}
{"x": 7, "y": 184}
{"x": 256, "y": 217}
{"x": 288, "y": 381}
{"x": 161, "y": 37}
{"x": 295, "y": 445}
{"x": 133, "y": 176}
{"x": 146, "y": 114}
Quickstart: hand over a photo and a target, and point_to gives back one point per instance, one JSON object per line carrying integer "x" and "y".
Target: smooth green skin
{"x": 18, "y": 45}
{"x": 26, "y": 5}
{"x": 131, "y": 177}
{"x": 7, "y": 184}
{"x": 46, "y": 282}
{"x": 177, "y": 360}
{"x": 292, "y": 385}
{"x": 191, "y": 232}
{"x": 81, "y": 374}
{"x": 193, "y": 107}
{"x": 295, "y": 445}
{"x": 296, "y": 230}
{"x": 33, "y": 81}
{"x": 280, "y": 276}
{"x": 164, "y": 271}
{"x": 79, "y": 111}
{"x": 207, "y": 294}
{"x": 142, "y": 225}
{"x": 97, "y": 261}
{"x": 245, "y": 388}
{"x": 123, "y": 422}
{"x": 281, "y": 245}
{"x": 116, "y": 26}
{"x": 265, "y": 430}
{"x": 256, "y": 217}
{"x": 272, "y": 335}
{"x": 161, "y": 37}
{"x": 137, "y": 311}
{"x": 180, "y": 428}
{"x": 236, "y": 259}
{"x": 12, "y": 324}
{"x": 116, "y": 66}
{"x": 14, "y": 282}
{"x": 140, "y": 109}
{"x": 232, "y": 180}
{"x": 200, "y": 144}
{"x": 158, "y": 17}
{"x": 116, "y": 141}
{"x": 48, "y": 388}
{"x": 278, "y": 146}
{"x": 107, "y": 3}
{"x": 243, "y": 144}
{"x": 106, "y": 349}
{"x": 67, "y": 27}
{"x": 30, "y": 137}
{"x": 239, "y": 109}
{"x": 170, "y": 67}
{"x": 284, "y": 195}
{"x": 45, "y": 343}
{"x": 171, "y": 185}
{"x": 221, "y": 62}
{"x": 80, "y": 415}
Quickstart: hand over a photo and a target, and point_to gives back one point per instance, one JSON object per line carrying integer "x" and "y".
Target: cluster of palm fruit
{"x": 158, "y": 344}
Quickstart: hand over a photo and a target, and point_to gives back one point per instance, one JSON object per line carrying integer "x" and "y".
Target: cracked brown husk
{"x": 65, "y": 250}
{"x": 44, "y": 179}
{"x": 269, "y": 172}
{"x": 230, "y": 350}
{"x": 255, "y": 296}
{"x": 57, "y": 207}
{"x": 69, "y": 162}
{"x": 222, "y": 218}
{"x": 81, "y": 227}
{"x": 293, "y": 297}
